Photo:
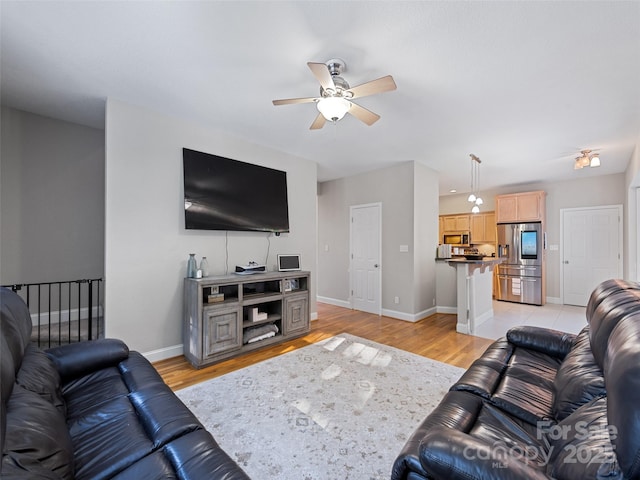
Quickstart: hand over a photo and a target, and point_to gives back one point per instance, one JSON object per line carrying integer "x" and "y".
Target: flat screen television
{"x": 225, "y": 194}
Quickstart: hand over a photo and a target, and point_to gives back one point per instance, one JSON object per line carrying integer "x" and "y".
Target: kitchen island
{"x": 474, "y": 286}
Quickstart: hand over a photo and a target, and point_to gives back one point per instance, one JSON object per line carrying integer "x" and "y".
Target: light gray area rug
{"x": 336, "y": 410}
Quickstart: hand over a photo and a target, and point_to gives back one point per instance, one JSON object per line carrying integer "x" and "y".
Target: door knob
{"x": 375, "y": 265}
{"x": 566, "y": 262}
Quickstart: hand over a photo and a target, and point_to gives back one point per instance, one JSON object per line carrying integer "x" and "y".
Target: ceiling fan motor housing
{"x": 341, "y": 88}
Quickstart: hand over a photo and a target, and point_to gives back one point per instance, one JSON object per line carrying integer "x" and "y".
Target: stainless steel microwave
{"x": 461, "y": 239}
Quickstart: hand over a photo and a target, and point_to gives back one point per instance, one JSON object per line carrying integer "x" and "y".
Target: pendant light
{"x": 474, "y": 196}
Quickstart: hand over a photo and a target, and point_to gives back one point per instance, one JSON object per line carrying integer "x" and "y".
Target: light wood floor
{"x": 434, "y": 337}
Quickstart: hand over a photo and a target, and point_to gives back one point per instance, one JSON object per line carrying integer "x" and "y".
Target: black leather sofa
{"x": 94, "y": 410}
{"x": 542, "y": 404}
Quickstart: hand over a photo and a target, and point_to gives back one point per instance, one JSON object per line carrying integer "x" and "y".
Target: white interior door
{"x": 365, "y": 258}
{"x": 591, "y": 250}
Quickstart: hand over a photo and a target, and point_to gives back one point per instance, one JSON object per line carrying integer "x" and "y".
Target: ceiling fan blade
{"x": 290, "y": 101}
{"x": 318, "y": 122}
{"x": 380, "y": 85}
{"x": 323, "y": 75}
{"x": 364, "y": 115}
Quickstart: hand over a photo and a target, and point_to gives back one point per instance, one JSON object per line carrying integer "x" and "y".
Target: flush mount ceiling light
{"x": 474, "y": 196}
{"x": 587, "y": 159}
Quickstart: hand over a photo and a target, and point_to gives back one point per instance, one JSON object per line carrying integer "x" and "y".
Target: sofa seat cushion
{"x": 526, "y": 388}
{"x": 37, "y": 443}
{"x": 497, "y": 445}
{"x": 579, "y": 379}
{"x": 121, "y": 415}
{"x": 108, "y": 439}
{"x": 457, "y": 411}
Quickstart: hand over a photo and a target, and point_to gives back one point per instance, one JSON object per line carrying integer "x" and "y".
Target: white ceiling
{"x": 523, "y": 85}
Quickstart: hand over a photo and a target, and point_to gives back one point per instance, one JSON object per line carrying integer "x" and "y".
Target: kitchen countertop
{"x": 482, "y": 261}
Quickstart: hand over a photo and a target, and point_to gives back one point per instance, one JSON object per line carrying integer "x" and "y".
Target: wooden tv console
{"x": 220, "y": 313}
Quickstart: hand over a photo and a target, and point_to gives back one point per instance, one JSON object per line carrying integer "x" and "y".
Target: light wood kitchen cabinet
{"x": 520, "y": 207}
{"x": 483, "y": 228}
{"x": 456, "y": 223}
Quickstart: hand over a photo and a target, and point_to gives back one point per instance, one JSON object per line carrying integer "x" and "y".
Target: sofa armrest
{"x": 451, "y": 454}
{"x": 77, "y": 359}
{"x": 545, "y": 340}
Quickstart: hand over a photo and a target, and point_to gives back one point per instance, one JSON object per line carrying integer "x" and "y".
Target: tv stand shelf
{"x": 221, "y": 328}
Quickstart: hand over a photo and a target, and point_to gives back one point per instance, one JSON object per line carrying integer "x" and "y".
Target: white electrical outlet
{"x": 396, "y": 300}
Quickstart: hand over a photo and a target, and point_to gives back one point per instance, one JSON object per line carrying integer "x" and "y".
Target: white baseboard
{"x": 449, "y": 310}
{"x": 408, "y": 317}
{"x": 163, "y": 353}
{"x": 177, "y": 350}
{"x": 334, "y": 301}
{"x": 556, "y": 300}
{"x": 64, "y": 315}
{"x": 484, "y": 317}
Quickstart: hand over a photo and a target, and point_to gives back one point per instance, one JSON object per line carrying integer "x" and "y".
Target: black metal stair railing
{"x": 63, "y": 312}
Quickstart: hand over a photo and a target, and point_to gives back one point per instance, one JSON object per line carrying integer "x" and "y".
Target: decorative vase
{"x": 204, "y": 267}
{"x": 191, "y": 266}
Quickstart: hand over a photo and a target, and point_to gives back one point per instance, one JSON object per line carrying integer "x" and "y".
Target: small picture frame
{"x": 291, "y": 284}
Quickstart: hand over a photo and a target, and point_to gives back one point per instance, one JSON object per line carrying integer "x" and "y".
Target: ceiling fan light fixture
{"x": 333, "y": 108}
{"x": 587, "y": 159}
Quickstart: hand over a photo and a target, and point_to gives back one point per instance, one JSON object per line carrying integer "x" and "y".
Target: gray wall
{"x": 632, "y": 216}
{"x": 408, "y": 193}
{"x": 52, "y": 199}
{"x": 588, "y": 192}
{"x": 146, "y": 243}
{"x": 425, "y": 205}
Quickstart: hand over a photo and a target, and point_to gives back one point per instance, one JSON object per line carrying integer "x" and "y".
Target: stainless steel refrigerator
{"x": 520, "y": 245}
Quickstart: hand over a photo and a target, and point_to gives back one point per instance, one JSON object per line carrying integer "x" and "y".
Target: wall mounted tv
{"x": 225, "y": 194}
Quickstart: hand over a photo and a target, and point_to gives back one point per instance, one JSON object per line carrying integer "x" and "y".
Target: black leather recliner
{"x": 542, "y": 404}
{"x": 94, "y": 410}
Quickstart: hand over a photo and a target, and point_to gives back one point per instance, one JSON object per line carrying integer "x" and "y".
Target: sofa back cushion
{"x": 38, "y": 374}
{"x": 603, "y": 290}
{"x": 37, "y": 442}
{"x": 15, "y": 332}
{"x": 606, "y": 308}
{"x": 15, "y": 324}
{"x": 622, "y": 374}
{"x": 579, "y": 379}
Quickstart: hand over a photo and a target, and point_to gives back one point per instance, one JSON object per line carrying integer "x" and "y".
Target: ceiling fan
{"x": 336, "y": 95}
{"x": 587, "y": 158}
